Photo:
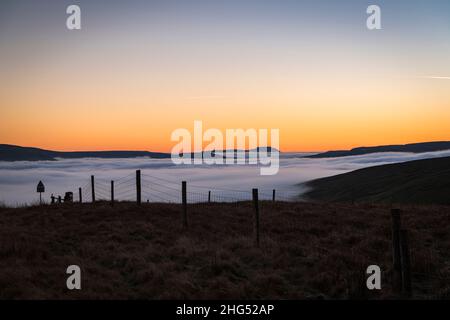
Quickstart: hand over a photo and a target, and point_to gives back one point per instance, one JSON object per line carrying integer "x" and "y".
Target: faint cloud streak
{"x": 435, "y": 77}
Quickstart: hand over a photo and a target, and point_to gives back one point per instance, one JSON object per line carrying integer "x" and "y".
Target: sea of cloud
{"x": 18, "y": 180}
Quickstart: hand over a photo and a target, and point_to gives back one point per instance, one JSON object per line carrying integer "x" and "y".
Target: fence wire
{"x": 158, "y": 189}
{"x": 155, "y": 188}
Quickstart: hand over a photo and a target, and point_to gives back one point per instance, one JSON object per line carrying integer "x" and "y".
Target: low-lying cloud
{"x": 162, "y": 179}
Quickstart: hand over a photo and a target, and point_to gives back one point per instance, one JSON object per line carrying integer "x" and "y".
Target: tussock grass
{"x": 308, "y": 251}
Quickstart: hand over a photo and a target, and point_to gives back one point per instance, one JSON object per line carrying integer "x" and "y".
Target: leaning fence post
{"x": 138, "y": 186}
{"x": 112, "y": 192}
{"x": 93, "y": 188}
{"x": 209, "y": 196}
{"x": 80, "y": 195}
{"x": 273, "y": 196}
{"x": 405, "y": 263}
{"x": 397, "y": 263}
{"x": 184, "y": 203}
{"x": 256, "y": 205}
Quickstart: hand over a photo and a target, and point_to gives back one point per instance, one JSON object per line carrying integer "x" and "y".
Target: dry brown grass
{"x": 128, "y": 252}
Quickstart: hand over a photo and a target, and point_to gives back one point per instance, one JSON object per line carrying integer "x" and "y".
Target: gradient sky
{"x": 140, "y": 69}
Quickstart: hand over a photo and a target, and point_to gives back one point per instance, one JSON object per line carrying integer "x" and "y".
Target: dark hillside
{"x": 419, "y": 182}
{"x": 413, "y": 148}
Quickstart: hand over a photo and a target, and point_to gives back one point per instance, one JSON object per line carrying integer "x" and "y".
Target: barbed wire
{"x": 169, "y": 190}
{"x": 158, "y": 189}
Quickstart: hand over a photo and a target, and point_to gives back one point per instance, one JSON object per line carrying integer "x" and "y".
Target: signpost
{"x": 40, "y": 188}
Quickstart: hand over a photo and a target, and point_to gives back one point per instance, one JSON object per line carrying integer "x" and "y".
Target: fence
{"x": 138, "y": 187}
{"x": 143, "y": 187}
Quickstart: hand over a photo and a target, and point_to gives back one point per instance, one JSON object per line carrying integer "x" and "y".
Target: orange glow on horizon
{"x": 81, "y": 104}
{"x": 131, "y": 77}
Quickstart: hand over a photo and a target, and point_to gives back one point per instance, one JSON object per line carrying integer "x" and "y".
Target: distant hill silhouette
{"x": 16, "y": 153}
{"x": 413, "y": 148}
{"x": 416, "y": 182}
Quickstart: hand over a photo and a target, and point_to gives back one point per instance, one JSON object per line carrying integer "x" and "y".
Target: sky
{"x": 138, "y": 70}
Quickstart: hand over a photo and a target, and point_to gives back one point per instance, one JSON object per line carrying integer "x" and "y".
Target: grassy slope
{"x": 420, "y": 182}
{"x": 307, "y": 250}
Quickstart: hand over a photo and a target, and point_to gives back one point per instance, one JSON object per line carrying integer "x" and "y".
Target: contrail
{"x": 435, "y": 77}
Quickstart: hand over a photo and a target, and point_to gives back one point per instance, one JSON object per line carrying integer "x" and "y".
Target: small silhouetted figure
{"x": 53, "y": 199}
{"x": 59, "y": 199}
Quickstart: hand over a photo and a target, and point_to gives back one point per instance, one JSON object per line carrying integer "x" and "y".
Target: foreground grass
{"x": 129, "y": 252}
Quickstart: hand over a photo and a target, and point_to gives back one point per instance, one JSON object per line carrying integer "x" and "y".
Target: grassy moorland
{"x": 308, "y": 251}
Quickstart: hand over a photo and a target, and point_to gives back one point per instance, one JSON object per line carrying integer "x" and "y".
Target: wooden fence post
{"x": 138, "y": 186}
{"x": 80, "y": 195}
{"x": 273, "y": 196}
{"x": 397, "y": 263}
{"x": 184, "y": 203}
{"x": 93, "y": 188}
{"x": 405, "y": 263}
{"x": 112, "y": 192}
{"x": 353, "y": 196}
{"x": 256, "y": 205}
{"x": 209, "y": 196}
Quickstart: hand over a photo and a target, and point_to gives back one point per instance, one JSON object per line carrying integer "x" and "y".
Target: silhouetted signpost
{"x": 40, "y": 188}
